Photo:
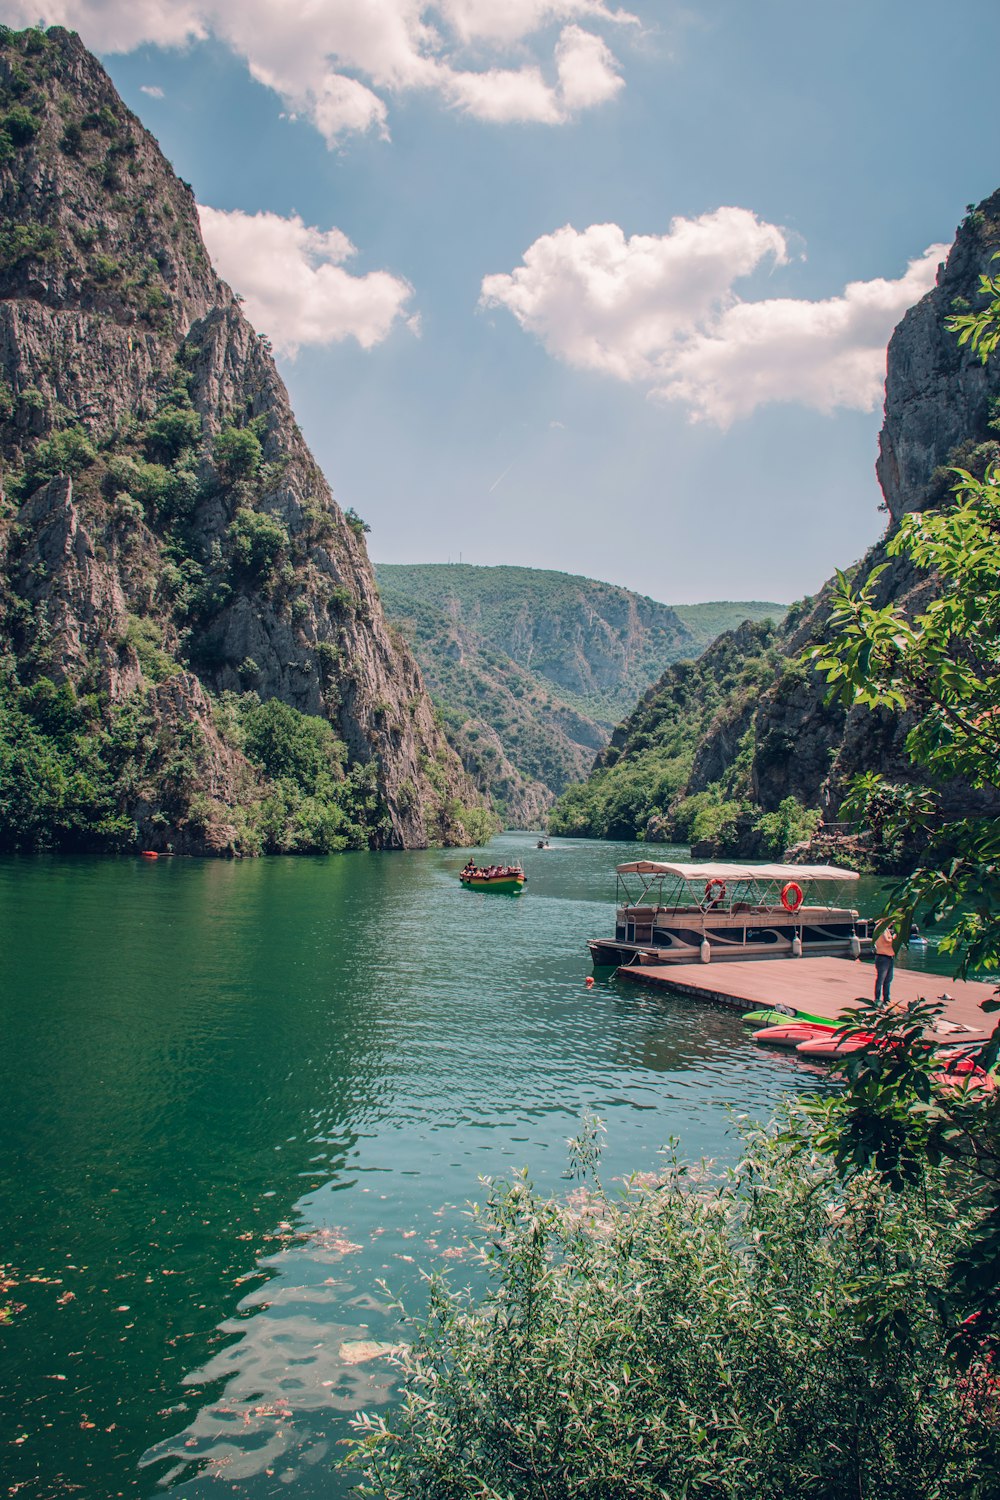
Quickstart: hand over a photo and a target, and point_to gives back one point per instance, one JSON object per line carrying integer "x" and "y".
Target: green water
{"x": 236, "y": 1095}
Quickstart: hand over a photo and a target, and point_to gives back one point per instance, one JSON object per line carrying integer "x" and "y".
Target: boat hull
{"x": 510, "y": 885}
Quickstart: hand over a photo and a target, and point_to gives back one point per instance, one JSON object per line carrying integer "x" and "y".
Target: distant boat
{"x": 509, "y": 878}
{"x": 543, "y": 844}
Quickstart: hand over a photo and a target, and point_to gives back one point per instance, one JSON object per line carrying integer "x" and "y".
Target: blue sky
{"x": 595, "y": 315}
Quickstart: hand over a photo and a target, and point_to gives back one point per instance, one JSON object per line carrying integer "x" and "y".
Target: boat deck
{"x": 818, "y": 986}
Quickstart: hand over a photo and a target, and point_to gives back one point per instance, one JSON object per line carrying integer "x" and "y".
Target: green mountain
{"x": 531, "y": 669}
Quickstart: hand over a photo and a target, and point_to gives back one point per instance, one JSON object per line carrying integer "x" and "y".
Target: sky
{"x": 572, "y": 284}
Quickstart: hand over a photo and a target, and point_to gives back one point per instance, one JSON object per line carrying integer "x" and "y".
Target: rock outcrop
{"x": 165, "y": 531}
{"x": 941, "y": 401}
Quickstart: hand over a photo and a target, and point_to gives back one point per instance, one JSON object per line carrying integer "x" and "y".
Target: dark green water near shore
{"x": 237, "y": 1095}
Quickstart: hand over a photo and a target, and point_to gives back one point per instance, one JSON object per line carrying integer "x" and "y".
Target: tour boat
{"x": 511, "y": 879}
{"x": 690, "y": 913}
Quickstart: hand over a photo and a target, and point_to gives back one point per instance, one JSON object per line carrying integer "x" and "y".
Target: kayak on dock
{"x": 783, "y": 1015}
{"x": 795, "y": 1032}
{"x": 508, "y": 878}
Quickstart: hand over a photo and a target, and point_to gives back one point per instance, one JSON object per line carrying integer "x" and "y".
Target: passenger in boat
{"x": 885, "y": 955}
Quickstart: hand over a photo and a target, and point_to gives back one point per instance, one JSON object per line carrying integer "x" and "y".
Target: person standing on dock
{"x": 885, "y": 957}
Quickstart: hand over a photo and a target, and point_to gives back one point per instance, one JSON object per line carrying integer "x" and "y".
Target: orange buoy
{"x": 150, "y": 854}
{"x": 791, "y": 897}
{"x": 589, "y": 981}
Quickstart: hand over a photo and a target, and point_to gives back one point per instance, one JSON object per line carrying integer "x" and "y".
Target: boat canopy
{"x": 735, "y": 873}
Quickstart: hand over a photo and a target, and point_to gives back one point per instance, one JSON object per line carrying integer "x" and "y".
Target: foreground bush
{"x": 772, "y": 1334}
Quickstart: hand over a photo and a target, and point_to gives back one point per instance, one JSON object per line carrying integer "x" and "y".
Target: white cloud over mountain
{"x": 661, "y": 311}
{"x": 334, "y": 62}
{"x": 293, "y": 282}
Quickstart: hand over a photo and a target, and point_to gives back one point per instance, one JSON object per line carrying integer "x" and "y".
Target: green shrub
{"x": 104, "y": 268}
{"x": 309, "y": 803}
{"x": 23, "y": 242}
{"x": 57, "y": 772}
{"x": 20, "y": 125}
{"x": 120, "y": 475}
{"x": 68, "y": 452}
{"x": 768, "y": 1334}
{"x": 355, "y": 522}
{"x": 289, "y": 745}
{"x": 256, "y": 541}
{"x": 173, "y": 431}
{"x": 71, "y": 140}
{"x": 237, "y": 453}
{"x": 708, "y": 817}
{"x": 790, "y": 824}
{"x": 145, "y": 637}
{"x": 151, "y": 485}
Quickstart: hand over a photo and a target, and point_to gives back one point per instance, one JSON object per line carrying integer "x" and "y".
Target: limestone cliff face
{"x": 234, "y": 569}
{"x": 939, "y": 398}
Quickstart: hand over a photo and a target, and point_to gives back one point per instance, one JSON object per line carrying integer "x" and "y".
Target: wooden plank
{"x": 818, "y": 986}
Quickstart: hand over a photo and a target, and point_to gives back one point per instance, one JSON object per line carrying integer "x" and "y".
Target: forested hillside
{"x": 532, "y": 668}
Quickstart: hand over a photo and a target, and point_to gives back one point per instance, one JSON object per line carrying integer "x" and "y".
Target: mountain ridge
{"x": 532, "y": 668}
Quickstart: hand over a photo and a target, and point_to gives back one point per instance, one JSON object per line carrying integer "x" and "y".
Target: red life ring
{"x": 715, "y": 891}
{"x": 791, "y": 896}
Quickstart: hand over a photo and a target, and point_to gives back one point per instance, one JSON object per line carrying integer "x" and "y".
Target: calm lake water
{"x": 235, "y": 1096}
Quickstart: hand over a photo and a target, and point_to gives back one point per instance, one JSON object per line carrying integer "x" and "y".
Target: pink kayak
{"x": 792, "y": 1034}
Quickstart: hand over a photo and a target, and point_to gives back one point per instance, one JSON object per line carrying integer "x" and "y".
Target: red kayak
{"x": 835, "y": 1046}
{"x": 794, "y": 1033}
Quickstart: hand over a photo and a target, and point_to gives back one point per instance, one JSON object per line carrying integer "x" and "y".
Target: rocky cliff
{"x": 746, "y": 754}
{"x": 167, "y": 543}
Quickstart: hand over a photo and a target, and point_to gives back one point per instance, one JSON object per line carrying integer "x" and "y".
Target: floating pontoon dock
{"x": 815, "y": 986}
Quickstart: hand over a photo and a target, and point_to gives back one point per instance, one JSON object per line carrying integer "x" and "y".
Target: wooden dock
{"x": 816, "y": 986}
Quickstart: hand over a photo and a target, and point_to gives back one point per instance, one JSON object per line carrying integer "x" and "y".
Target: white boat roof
{"x": 738, "y": 872}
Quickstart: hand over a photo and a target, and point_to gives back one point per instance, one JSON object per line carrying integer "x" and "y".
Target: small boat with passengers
{"x": 690, "y": 913}
{"x": 509, "y": 878}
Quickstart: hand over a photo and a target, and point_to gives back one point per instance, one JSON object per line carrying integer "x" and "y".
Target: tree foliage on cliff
{"x": 72, "y": 769}
{"x": 643, "y": 781}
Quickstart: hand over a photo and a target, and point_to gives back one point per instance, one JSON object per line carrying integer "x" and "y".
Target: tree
{"x": 237, "y": 452}
{"x": 943, "y": 667}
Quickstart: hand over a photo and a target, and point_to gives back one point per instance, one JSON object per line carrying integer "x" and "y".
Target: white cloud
{"x": 152, "y": 89}
{"x": 586, "y": 68}
{"x": 334, "y": 61}
{"x": 661, "y": 311}
{"x": 824, "y": 354}
{"x": 294, "y": 284}
{"x": 604, "y": 302}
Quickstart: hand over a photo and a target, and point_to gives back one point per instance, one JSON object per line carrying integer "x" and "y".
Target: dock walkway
{"x": 817, "y": 986}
